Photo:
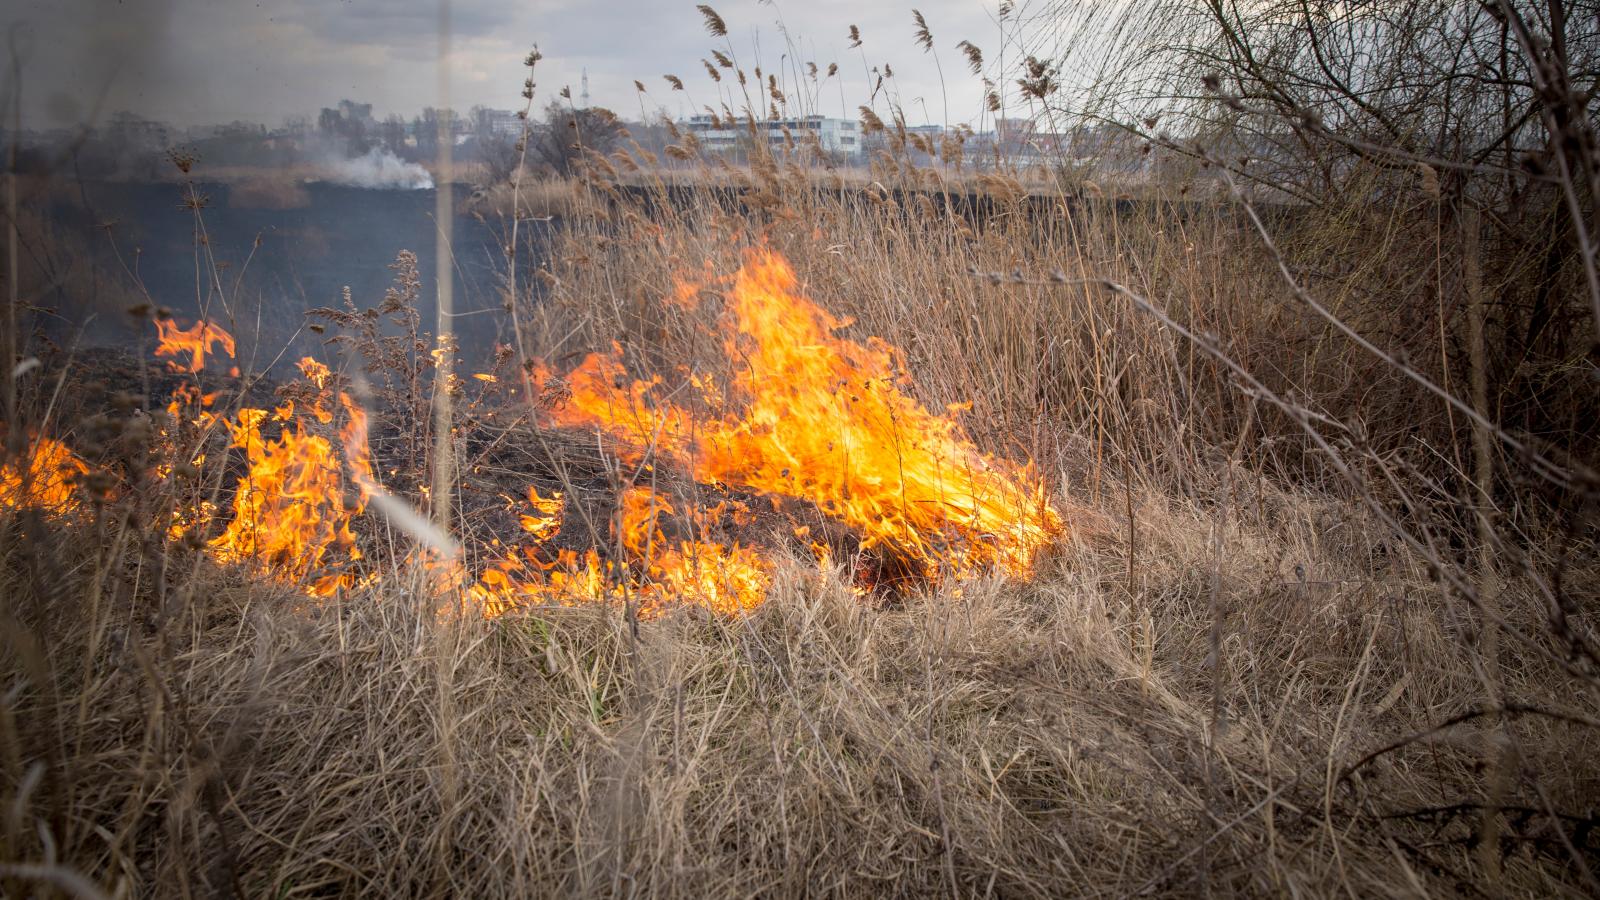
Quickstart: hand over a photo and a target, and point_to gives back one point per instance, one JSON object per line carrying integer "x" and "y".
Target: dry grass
{"x": 218, "y": 736}
{"x": 1238, "y": 677}
{"x": 1004, "y": 306}
{"x": 538, "y": 199}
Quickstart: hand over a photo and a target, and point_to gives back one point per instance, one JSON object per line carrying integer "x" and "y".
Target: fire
{"x": 195, "y": 342}
{"x": 723, "y": 577}
{"x": 821, "y": 418}
{"x": 813, "y": 424}
{"x": 662, "y": 563}
{"x": 354, "y": 438}
{"x": 49, "y": 481}
{"x": 548, "y": 521}
{"x": 290, "y": 510}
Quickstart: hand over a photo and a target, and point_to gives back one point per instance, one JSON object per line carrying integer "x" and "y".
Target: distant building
{"x": 351, "y": 111}
{"x": 503, "y": 123}
{"x": 841, "y": 137}
{"x": 1025, "y": 142}
{"x": 926, "y": 139}
{"x": 1014, "y": 130}
{"x": 349, "y": 119}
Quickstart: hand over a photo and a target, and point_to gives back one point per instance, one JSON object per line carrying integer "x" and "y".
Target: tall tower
{"x": 585, "y": 95}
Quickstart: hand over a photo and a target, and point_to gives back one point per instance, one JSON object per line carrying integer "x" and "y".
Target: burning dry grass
{"x": 796, "y": 416}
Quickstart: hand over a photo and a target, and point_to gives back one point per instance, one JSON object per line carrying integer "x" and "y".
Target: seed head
{"x": 714, "y": 23}
{"x": 974, "y": 55}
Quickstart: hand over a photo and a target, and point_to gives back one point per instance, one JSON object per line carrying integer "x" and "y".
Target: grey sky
{"x": 201, "y": 61}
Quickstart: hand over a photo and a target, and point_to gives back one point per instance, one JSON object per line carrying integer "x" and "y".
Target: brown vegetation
{"x": 1323, "y": 623}
{"x": 1075, "y": 734}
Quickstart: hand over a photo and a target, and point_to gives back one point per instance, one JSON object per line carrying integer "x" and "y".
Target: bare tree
{"x": 571, "y": 133}
{"x": 1391, "y": 124}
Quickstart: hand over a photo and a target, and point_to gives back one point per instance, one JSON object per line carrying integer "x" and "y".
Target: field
{"x": 1223, "y": 669}
{"x": 922, "y": 530}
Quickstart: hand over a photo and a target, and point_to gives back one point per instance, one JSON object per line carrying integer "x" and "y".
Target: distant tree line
{"x": 130, "y": 146}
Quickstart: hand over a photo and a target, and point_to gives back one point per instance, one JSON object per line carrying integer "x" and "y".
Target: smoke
{"x": 379, "y": 169}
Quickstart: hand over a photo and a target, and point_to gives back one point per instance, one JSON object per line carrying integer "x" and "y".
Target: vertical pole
{"x": 444, "y": 221}
{"x": 13, "y": 297}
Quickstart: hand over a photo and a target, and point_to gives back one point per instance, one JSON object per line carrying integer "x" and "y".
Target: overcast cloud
{"x": 202, "y": 61}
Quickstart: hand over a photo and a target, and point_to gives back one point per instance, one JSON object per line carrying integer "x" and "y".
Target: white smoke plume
{"x": 379, "y": 169}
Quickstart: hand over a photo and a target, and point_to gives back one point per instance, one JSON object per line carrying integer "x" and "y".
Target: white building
{"x": 503, "y": 123}
{"x": 837, "y": 136}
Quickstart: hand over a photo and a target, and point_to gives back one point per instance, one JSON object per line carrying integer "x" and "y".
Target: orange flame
{"x": 723, "y": 578}
{"x": 290, "y": 511}
{"x": 545, "y": 525}
{"x": 49, "y": 481}
{"x": 826, "y": 419}
{"x": 807, "y": 417}
{"x": 196, "y": 341}
{"x": 658, "y": 571}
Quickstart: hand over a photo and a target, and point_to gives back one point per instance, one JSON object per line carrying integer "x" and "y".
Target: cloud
{"x": 200, "y": 61}
{"x": 398, "y": 24}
